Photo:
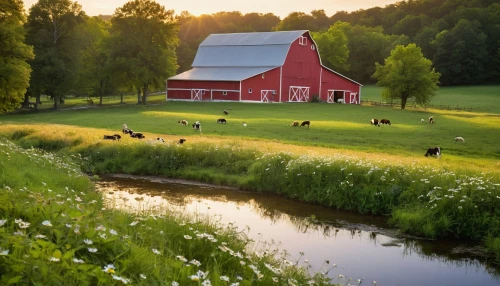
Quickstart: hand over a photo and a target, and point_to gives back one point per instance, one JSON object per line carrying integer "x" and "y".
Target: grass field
{"x": 336, "y": 127}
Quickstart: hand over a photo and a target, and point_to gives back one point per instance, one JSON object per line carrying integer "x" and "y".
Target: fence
{"x": 415, "y": 105}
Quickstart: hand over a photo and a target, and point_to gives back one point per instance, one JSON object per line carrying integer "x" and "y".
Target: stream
{"x": 362, "y": 246}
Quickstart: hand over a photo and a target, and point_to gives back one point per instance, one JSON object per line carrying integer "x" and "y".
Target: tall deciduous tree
{"x": 143, "y": 42}
{"x": 51, "y": 30}
{"x": 14, "y": 53}
{"x": 332, "y": 46}
{"x": 407, "y": 74}
{"x": 94, "y": 70}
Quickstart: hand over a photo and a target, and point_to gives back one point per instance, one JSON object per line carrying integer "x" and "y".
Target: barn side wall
{"x": 302, "y": 68}
{"x": 214, "y": 90}
{"x": 269, "y": 80}
{"x": 333, "y": 81}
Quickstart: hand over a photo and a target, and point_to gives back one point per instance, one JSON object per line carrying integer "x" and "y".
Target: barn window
{"x": 313, "y": 47}
{"x": 302, "y": 41}
{"x": 224, "y": 93}
{"x": 249, "y": 90}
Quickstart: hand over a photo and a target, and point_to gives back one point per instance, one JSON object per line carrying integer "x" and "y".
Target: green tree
{"x": 461, "y": 54}
{"x": 51, "y": 30}
{"x": 332, "y": 46}
{"x": 94, "y": 69}
{"x": 14, "y": 53}
{"x": 407, "y": 74}
{"x": 142, "y": 45}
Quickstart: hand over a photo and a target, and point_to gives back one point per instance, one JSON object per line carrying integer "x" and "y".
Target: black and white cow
{"x": 137, "y": 135}
{"x": 385, "y": 121}
{"x": 182, "y": 140}
{"x": 197, "y": 126}
{"x": 436, "y": 151}
{"x": 375, "y": 122}
{"x": 221, "y": 120}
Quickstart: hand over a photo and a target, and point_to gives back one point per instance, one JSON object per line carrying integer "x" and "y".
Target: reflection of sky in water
{"x": 381, "y": 258}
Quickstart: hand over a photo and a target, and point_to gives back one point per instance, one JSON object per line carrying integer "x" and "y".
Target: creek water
{"x": 362, "y": 246}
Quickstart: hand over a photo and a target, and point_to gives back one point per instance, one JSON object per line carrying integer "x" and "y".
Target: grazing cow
{"x": 295, "y": 124}
{"x": 117, "y": 137}
{"x": 183, "y": 122}
{"x": 127, "y": 131}
{"x": 375, "y": 122}
{"x": 225, "y": 112}
{"x": 182, "y": 140}
{"x": 160, "y": 139}
{"x": 385, "y": 121}
{"x": 422, "y": 120}
{"x": 197, "y": 126}
{"x": 307, "y": 122}
{"x": 109, "y": 137}
{"x": 137, "y": 135}
{"x": 431, "y": 120}
{"x": 221, "y": 120}
{"x": 459, "y": 139}
{"x": 436, "y": 151}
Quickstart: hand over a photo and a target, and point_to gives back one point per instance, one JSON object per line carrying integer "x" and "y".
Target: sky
{"x": 280, "y": 8}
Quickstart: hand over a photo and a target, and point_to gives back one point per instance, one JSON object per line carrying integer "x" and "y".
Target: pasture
{"x": 336, "y": 127}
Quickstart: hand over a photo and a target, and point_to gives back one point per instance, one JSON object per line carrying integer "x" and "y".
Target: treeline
{"x": 58, "y": 50}
{"x": 460, "y": 37}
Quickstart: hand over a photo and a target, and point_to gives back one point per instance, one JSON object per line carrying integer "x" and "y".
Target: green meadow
{"x": 341, "y": 161}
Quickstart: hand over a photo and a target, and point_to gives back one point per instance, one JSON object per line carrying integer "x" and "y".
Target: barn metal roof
{"x": 221, "y": 73}
{"x": 253, "y": 39}
{"x": 245, "y": 49}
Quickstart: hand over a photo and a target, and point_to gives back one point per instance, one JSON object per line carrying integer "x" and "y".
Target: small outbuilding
{"x": 261, "y": 67}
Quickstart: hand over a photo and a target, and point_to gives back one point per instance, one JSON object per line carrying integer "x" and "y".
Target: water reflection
{"x": 361, "y": 246}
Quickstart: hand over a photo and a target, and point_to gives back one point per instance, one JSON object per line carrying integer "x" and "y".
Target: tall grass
{"x": 54, "y": 230}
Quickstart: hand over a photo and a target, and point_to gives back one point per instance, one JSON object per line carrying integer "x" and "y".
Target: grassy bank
{"x": 54, "y": 231}
{"x": 424, "y": 199}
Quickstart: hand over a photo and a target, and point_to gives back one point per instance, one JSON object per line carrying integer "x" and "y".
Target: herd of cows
{"x": 435, "y": 151}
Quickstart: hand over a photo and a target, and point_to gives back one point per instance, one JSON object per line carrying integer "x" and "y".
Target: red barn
{"x": 261, "y": 67}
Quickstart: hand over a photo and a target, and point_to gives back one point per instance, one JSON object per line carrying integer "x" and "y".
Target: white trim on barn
{"x": 298, "y": 94}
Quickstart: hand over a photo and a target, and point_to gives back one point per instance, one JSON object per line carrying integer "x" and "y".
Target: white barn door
{"x": 298, "y": 94}
{"x": 354, "y": 98}
{"x": 197, "y": 93}
{"x": 267, "y": 95}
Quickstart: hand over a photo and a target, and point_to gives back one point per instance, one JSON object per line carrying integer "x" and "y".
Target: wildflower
{"x": 40, "y": 236}
{"x": 187, "y": 237}
{"x": 175, "y": 283}
{"x": 275, "y": 279}
{"x": 124, "y": 280}
{"x": 76, "y": 260}
{"x": 202, "y": 274}
{"x": 144, "y": 277}
{"x": 224, "y": 278}
{"x": 194, "y": 278}
{"x": 4, "y": 252}
{"x": 88, "y": 241}
{"x": 23, "y": 224}
{"x": 234, "y": 284}
{"x": 55, "y": 259}
{"x": 2, "y": 222}
{"x": 133, "y": 223}
{"x": 93, "y": 250}
{"x": 103, "y": 235}
{"x": 20, "y": 233}
{"x": 156, "y": 251}
{"x": 100, "y": 227}
{"x": 113, "y": 232}
{"x": 206, "y": 283}
{"x": 181, "y": 258}
{"x": 195, "y": 262}
{"x": 46, "y": 223}
{"x": 110, "y": 268}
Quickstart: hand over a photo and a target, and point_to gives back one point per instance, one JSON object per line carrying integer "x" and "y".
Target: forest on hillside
{"x": 57, "y": 49}
{"x": 461, "y": 37}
